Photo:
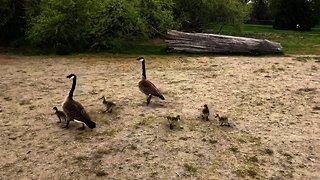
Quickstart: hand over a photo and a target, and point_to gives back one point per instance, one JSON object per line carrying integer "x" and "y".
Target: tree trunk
{"x": 212, "y": 43}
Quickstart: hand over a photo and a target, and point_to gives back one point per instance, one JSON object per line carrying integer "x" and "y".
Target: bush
{"x": 99, "y": 24}
{"x": 112, "y": 21}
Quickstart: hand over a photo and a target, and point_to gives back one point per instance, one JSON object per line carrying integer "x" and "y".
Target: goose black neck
{"x": 74, "y": 82}
{"x": 144, "y": 76}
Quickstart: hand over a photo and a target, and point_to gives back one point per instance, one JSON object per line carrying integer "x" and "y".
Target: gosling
{"x": 223, "y": 120}
{"x": 174, "y": 122}
{"x": 108, "y": 104}
{"x": 60, "y": 114}
{"x": 205, "y": 113}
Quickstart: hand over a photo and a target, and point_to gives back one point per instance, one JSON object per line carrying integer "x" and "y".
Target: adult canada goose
{"x": 74, "y": 110}
{"x": 205, "y": 113}
{"x": 146, "y": 86}
{"x": 223, "y": 120}
{"x": 60, "y": 114}
{"x": 107, "y": 104}
{"x": 174, "y": 122}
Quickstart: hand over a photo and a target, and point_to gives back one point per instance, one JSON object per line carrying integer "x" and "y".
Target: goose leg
{"x": 59, "y": 119}
{"x": 67, "y": 125}
{"x": 83, "y": 127}
{"x": 149, "y": 99}
{"x": 110, "y": 110}
{"x": 68, "y": 121}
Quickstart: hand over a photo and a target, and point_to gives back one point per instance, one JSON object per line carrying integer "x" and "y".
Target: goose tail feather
{"x": 161, "y": 97}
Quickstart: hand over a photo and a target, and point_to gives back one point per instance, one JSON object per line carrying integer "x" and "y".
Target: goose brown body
{"x": 74, "y": 110}
{"x": 146, "y": 86}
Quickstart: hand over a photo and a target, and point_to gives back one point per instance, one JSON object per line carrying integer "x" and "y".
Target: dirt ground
{"x": 272, "y": 103}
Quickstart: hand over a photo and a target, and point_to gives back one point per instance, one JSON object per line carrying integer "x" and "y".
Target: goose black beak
{"x": 140, "y": 59}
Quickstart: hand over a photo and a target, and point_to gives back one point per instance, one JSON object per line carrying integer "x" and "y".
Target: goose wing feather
{"x": 147, "y": 87}
{"x": 75, "y": 110}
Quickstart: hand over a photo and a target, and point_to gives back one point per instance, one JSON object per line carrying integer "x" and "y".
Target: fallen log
{"x": 178, "y": 41}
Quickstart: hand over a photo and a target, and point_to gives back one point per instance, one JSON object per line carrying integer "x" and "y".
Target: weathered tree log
{"x": 213, "y": 43}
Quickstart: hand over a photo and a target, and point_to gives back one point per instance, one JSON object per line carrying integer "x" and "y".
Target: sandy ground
{"x": 273, "y": 105}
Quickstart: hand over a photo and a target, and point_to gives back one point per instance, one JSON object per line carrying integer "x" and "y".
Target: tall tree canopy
{"x": 293, "y": 14}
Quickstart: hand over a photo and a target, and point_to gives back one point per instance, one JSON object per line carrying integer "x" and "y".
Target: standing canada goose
{"x": 205, "y": 113}
{"x": 146, "y": 86}
{"x": 174, "y": 122}
{"x": 107, "y": 104}
{"x": 74, "y": 110}
{"x": 223, "y": 120}
{"x": 60, "y": 114}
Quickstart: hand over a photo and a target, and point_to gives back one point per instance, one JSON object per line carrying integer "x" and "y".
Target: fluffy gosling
{"x": 174, "y": 122}
{"x": 223, "y": 120}
{"x": 60, "y": 114}
{"x": 205, "y": 113}
{"x": 108, "y": 104}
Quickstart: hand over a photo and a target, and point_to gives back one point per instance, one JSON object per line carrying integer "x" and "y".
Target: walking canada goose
{"x": 223, "y": 120}
{"x": 74, "y": 110}
{"x": 60, "y": 114}
{"x": 205, "y": 113}
{"x": 107, "y": 104}
{"x": 146, "y": 86}
{"x": 174, "y": 122}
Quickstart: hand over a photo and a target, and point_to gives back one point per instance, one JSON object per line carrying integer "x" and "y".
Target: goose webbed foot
{"x": 67, "y": 125}
{"x": 149, "y": 99}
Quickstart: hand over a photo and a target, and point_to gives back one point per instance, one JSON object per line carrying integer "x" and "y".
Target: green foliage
{"x": 60, "y": 24}
{"x": 98, "y": 24}
{"x": 158, "y": 16}
{"x": 112, "y": 21}
{"x": 197, "y": 15}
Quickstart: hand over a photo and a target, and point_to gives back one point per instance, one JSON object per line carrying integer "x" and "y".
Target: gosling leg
{"x": 149, "y": 99}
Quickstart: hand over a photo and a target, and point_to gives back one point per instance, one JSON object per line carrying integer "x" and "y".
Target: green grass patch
{"x": 293, "y": 42}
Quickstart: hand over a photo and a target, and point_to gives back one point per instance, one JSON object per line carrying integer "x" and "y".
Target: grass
{"x": 293, "y": 42}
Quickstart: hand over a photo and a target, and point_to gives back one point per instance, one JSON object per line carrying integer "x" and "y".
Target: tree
{"x": 293, "y": 14}
{"x": 260, "y": 10}
{"x": 12, "y": 22}
{"x": 197, "y": 15}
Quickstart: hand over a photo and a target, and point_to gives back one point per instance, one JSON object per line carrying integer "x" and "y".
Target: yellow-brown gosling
{"x": 107, "y": 104}
{"x": 205, "y": 113}
{"x": 174, "y": 122}
{"x": 223, "y": 120}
